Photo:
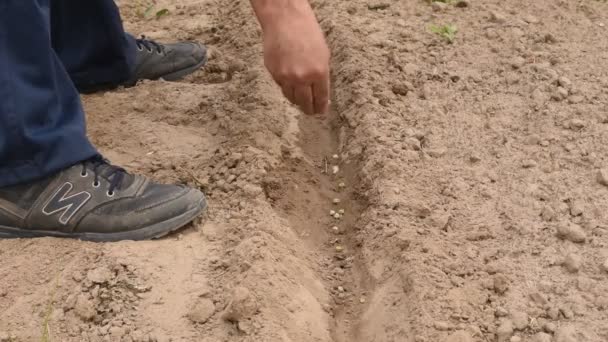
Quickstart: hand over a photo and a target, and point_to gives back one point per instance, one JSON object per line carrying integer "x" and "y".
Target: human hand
{"x": 297, "y": 56}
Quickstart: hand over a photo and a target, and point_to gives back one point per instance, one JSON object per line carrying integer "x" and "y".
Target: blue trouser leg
{"x": 42, "y": 123}
{"x": 89, "y": 38}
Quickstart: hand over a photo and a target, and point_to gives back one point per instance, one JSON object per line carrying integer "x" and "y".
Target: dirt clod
{"x": 566, "y": 334}
{"x": 84, "y": 308}
{"x": 572, "y": 232}
{"x": 500, "y": 284}
{"x": 541, "y": 337}
{"x": 573, "y": 262}
{"x": 201, "y": 311}
{"x": 602, "y": 176}
{"x": 99, "y": 275}
{"x": 242, "y": 305}
{"x": 504, "y": 331}
{"x": 520, "y": 320}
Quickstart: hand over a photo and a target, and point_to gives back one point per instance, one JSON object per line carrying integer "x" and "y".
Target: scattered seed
{"x": 337, "y": 216}
{"x": 362, "y": 300}
{"x": 339, "y": 248}
{"x": 341, "y": 211}
{"x": 342, "y": 185}
{"x": 335, "y": 169}
{"x": 332, "y": 212}
{"x": 340, "y": 288}
{"x": 335, "y": 156}
{"x": 335, "y": 228}
{"x": 336, "y": 200}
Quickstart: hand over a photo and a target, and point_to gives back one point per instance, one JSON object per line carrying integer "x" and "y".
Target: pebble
{"x": 572, "y": 232}
{"x": 549, "y": 327}
{"x": 541, "y": 337}
{"x": 339, "y": 248}
{"x": 517, "y": 62}
{"x": 242, "y": 305}
{"x": 528, "y": 164}
{"x": 335, "y": 169}
{"x": 337, "y": 216}
{"x": 560, "y": 94}
{"x": 602, "y": 176}
{"x": 504, "y": 331}
{"x": 576, "y": 207}
{"x": 246, "y": 327}
{"x": 335, "y": 156}
{"x": 400, "y": 89}
{"x": 501, "y": 312}
{"x": 530, "y": 19}
{"x": 442, "y": 326}
{"x": 201, "y": 311}
{"x": 341, "y": 211}
{"x": 332, "y": 212}
{"x": 565, "y": 334}
{"x": 572, "y": 262}
{"x": 498, "y": 17}
{"x": 564, "y": 82}
{"x": 576, "y": 123}
{"x": 520, "y": 320}
{"x": 459, "y": 336}
{"x": 336, "y": 200}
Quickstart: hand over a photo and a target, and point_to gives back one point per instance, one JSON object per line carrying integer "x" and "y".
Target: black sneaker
{"x": 96, "y": 201}
{"x": 154, "y": 61}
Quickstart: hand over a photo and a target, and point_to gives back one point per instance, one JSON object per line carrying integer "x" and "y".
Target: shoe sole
{"x": 154, "y": 231}
{"x": 172, "y": 77}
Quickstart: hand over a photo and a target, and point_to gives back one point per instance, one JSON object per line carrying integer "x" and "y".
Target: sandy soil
{"x": 470, "y": 176}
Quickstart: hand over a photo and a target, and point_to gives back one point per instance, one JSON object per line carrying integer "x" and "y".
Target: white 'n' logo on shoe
{"x": 63, "y": 201}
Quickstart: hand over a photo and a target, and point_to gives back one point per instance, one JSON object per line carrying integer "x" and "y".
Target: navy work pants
{"x": 48, "y": 49}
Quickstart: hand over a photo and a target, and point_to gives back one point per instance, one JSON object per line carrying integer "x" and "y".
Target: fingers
{"x": 304, "y": 98}
{"x": 288, "y": 92}
{"x": 320, "y": 92}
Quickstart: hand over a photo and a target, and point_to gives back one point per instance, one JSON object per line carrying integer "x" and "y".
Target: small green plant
{"x": 150, "y": 12}
{"x": 447, "y": 32}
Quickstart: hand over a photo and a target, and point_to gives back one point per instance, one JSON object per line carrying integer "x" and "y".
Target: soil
{"x": 470, "y": 174}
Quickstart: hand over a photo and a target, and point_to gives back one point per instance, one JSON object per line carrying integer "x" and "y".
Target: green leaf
{"x": 161, "y": 13}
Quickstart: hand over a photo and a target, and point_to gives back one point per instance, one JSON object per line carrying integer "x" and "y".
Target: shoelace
{"x": 149, "y": 44}
{"x": 97, "y": 164}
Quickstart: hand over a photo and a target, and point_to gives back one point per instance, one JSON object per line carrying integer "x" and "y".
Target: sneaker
{"x": 96, "y": 201}
{"x": 154, "y": 61}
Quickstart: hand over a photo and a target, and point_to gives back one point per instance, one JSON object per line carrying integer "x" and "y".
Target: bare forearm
{"x": 270, "y": 12}
{"x": 295, "y": 52}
